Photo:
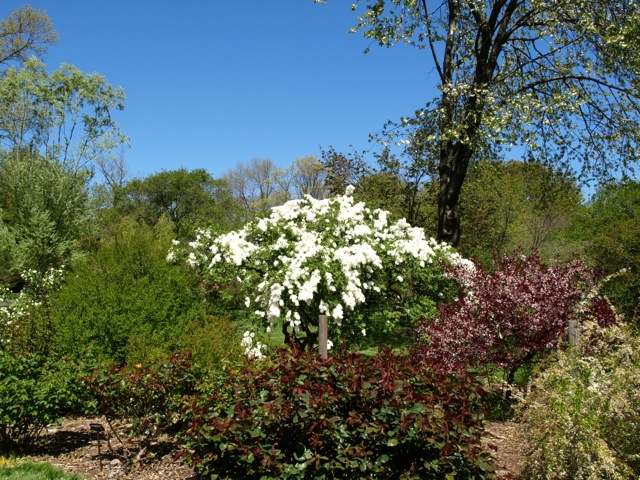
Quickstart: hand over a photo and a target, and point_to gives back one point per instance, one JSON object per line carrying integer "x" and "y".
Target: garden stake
{"x": 322, "y": 336}
{"x": 96, "y": 427}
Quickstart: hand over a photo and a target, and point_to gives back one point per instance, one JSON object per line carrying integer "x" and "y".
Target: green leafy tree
{"x": 65, "y": 116}
{"x": 558, "y": 77}
{"x": 24, "y": 33}
{"x": 611, "y": 232}
{"x": 44, "y": 210}
{"x": 518, "y": 206}
{"x": 187, "y": 198}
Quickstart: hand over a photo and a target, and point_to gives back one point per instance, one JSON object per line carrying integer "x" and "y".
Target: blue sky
{"x": 210, "y": 84}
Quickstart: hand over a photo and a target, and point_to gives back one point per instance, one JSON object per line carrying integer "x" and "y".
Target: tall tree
{"x": 524, "y": 207}
{"x": 259, "y": 185}
{"x": 557, "y": 77}
{"x": 25, "y": 33}
{"x": 44, "y": 212}
{"x": 65, "y": 116}
{"x": 394, "y": 183}
{"x": 611, "y": 231}
{"x": 309, "y": 177}
{"x": 342, "y": 170}
{"x": 188, "y": 198}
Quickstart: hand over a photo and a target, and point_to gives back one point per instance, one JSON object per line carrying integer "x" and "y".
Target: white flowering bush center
{"x": 311, "y": 257}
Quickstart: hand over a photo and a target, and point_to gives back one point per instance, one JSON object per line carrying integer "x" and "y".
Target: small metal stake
{"x": 96, "y": 427}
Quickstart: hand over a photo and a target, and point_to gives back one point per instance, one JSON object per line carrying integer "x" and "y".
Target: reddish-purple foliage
{"x": 507, "y": 316}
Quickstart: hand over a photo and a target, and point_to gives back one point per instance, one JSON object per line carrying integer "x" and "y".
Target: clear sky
{"x": 212, "y": 83}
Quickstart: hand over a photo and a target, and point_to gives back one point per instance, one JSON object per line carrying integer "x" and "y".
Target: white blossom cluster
{"x": 312, "y": 257}
{"x": 16, "y": 308}
{"x": 254, "y": 352}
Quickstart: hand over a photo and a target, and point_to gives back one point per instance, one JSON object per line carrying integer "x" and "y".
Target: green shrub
{"x": 583, "y": 415}
{"x": 125, "y": 303}
{"x": 35, "y": 392}
{"x": 211, "y": 340}
{"x": 298, "y": 416}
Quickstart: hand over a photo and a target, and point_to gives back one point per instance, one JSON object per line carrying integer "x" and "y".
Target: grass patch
{"x": 35, "y": 471}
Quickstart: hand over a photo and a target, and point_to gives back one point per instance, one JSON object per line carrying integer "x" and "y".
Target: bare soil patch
{"x": 507, "y": 442}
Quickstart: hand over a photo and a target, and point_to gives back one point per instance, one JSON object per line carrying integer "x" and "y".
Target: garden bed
{"x": 73, "y": 447}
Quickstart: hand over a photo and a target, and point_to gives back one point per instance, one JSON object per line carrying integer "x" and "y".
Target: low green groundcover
{"x": 35, "y": 471}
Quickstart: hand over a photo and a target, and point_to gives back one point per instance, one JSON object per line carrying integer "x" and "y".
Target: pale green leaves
{"x": 555, "y": 78}
{"x": 23, "y": 33}
{"x": 65, "y": 116}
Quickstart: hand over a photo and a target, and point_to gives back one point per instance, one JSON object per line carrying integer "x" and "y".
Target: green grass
{"x": 35, "y": 471}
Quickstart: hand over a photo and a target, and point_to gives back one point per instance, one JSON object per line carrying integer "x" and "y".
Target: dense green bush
{"x": 35, "y": 392}
{"x": 297, "y": 416}
{"x": 212, "y": 339}
{"x": 44, "y": 212}
{"x": 125, "y": 303}
{"x": 583, "y": 415}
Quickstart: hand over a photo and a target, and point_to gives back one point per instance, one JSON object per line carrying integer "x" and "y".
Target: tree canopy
{"x": 187, "y": 198}
{"x": 44, "y": 212}
{"x": 65, "y": 116}
{"x": 611, "y": 227}
{"x": 25, "y": 33}
{"x": 557, "y": 78}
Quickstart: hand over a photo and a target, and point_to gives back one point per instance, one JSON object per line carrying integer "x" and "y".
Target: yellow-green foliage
{"x": 583, "y": 414}
{"x": 35, "y": 471}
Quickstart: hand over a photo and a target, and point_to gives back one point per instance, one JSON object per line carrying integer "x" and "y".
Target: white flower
{"x": 191, "y": 260}
{"x": 316, "y": 257}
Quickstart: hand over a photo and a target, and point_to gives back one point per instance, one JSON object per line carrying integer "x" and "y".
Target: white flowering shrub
{"x": 334, "y": 257}
{"x": 583, "y": 413}
{"x": 252, "y": 350}
{"x": 24, "y": 318}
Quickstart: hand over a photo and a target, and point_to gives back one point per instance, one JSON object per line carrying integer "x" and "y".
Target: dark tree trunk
{"x": 454, "y": 162}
